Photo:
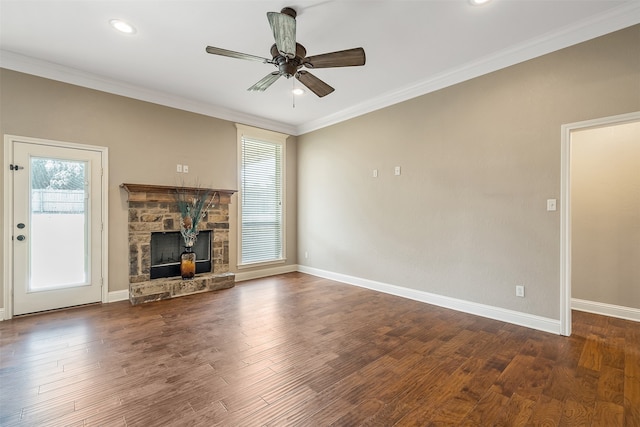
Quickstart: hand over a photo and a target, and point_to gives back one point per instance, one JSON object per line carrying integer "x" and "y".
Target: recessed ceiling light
{"x": 297, "y": 91}
{"x": 122, "y": 26}
{"x": 479, "y": 2}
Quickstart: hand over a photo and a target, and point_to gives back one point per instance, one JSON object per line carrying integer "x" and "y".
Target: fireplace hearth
{"x": 153, "y": 211}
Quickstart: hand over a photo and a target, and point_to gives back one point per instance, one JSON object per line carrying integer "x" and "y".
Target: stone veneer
{"x": 153, "y": 208}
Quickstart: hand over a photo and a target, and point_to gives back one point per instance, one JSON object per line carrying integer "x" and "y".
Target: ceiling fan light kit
{"x": 289, "y": 57}
{"x": 122, "y": 26}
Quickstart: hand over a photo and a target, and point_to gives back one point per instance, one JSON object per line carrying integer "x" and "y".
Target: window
{"x": 261, "y": 211}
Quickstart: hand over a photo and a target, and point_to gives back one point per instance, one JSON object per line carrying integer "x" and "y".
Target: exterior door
{"x": 57, "y": 226}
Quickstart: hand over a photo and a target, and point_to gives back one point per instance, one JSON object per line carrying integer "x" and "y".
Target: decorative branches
{"x": 193, "y": 205}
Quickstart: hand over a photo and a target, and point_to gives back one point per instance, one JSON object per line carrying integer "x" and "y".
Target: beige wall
{"x": 145, "y": 143}
{"x": 605, "y": 215}
{"x": 467, "y": 218}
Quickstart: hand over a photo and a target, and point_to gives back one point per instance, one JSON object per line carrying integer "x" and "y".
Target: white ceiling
{"x": 412, "y": 47}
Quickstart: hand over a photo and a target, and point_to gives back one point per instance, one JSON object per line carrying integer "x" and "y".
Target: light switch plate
{"x": 551, "y": 204}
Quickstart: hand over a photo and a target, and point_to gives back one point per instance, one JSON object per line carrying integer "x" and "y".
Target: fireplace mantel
{"x": 154, "y": 208}
{"x": 167, "y": 193}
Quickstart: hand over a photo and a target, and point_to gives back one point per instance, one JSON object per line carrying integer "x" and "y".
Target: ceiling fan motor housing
{"x": 289, "y": 11}
{"x": 288, "y": 67}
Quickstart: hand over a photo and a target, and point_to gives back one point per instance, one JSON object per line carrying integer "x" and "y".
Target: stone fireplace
{"x": 153, "y": 209}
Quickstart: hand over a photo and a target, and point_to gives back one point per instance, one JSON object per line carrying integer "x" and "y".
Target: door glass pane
{"x": 58, "y": 239}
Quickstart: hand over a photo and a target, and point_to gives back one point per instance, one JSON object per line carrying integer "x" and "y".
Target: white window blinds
{"x": 261, "y": 201}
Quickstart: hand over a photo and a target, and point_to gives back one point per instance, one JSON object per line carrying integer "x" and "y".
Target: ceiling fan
{"x": 289, "y": 56}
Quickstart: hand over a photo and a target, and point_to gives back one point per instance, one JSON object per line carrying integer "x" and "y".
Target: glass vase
{"x": 187, "y": 264}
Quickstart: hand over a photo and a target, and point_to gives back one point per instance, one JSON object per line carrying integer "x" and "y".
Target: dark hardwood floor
{"x": 303, "y": 351}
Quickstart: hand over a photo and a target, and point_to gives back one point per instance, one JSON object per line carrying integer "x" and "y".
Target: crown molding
{"x": 613, "y": 20}
{"x": 37, "y": 67}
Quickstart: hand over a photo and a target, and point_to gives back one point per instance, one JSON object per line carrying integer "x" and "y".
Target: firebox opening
{"x": 166, "y": 248}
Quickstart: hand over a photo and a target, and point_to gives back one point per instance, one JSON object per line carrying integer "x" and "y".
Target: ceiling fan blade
{"x": 284, "y": 32}
{"x": 231, "y": 54}
{"x": 266, "y": 81}
{"x": 344, "y": 58}
{"x": 314, "y": 84}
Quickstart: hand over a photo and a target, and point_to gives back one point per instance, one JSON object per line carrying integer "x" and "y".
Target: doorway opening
{"x": 569, "y": 131}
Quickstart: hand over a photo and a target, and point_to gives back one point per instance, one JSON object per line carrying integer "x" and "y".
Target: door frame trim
{"x": 565, "y": 207}
{"x": 7, "y": 279}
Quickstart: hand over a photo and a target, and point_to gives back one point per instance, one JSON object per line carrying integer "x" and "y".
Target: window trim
{"x": 273, "y": 138}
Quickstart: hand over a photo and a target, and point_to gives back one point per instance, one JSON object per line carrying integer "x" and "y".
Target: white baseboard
{"x": 114, "y": 296}
{"x": 496, "y": 313}
{"x": 515, "y": 317}
{"x": 604, "y": 309}
{"x": 265, "y": 272}
{"x": 121, "y": 295}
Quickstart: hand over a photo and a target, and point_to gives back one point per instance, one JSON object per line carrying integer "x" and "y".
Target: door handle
{"x": 21, "y": 237}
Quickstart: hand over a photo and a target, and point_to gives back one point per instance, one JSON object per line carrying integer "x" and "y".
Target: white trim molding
{"x": 626, "y": 15}
{"x": 496, "y": 313}
{"x": 566, "y": 303}
{"x": 121, "y": 295}
{"x": 275, "y": 139}
{"x": 7, "y": 279}
{"x": 604, "y": 309}
{"x": 49, "y": 70}
{"x": 265, "y": 272}
{"x": 113, "y": 296}
{"x": 7, "y": 265}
